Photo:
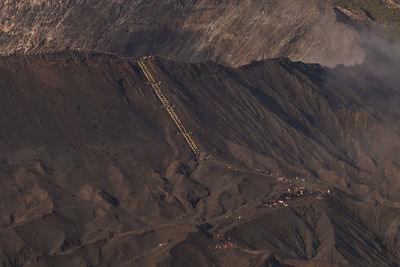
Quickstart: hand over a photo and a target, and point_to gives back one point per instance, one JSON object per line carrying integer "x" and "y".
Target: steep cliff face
{"x": 229, "y": 32}
{"x": 94, "y": 172}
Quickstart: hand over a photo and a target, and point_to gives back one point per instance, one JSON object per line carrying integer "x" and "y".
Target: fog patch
{"x": 382, "y": 59}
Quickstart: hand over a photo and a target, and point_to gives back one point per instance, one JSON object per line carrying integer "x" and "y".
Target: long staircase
{"x": 167, "y": 106}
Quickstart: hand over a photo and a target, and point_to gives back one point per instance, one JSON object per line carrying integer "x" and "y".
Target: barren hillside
{"x": 94, "y": 172}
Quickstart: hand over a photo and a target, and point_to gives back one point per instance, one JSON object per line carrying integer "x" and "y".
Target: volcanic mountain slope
{"x": 93, "y": 171}
{"x": 228, "y": 32}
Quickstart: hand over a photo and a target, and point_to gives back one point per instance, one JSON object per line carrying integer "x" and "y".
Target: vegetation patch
{"x": 375, "y": 9}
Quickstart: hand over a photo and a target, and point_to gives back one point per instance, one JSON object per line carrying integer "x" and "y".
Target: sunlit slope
{"x": 229, "y": 32}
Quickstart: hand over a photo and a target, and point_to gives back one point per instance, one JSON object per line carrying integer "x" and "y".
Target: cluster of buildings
{"x": 275, "y": 204}
{"x": 224, "y": 244}
{"x": 295, "y": 190}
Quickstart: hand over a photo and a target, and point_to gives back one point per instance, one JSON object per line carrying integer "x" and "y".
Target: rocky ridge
{"x": 228, "y": 32}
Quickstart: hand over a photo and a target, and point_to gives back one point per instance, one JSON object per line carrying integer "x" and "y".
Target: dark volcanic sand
{"x": 93, "y": 172}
